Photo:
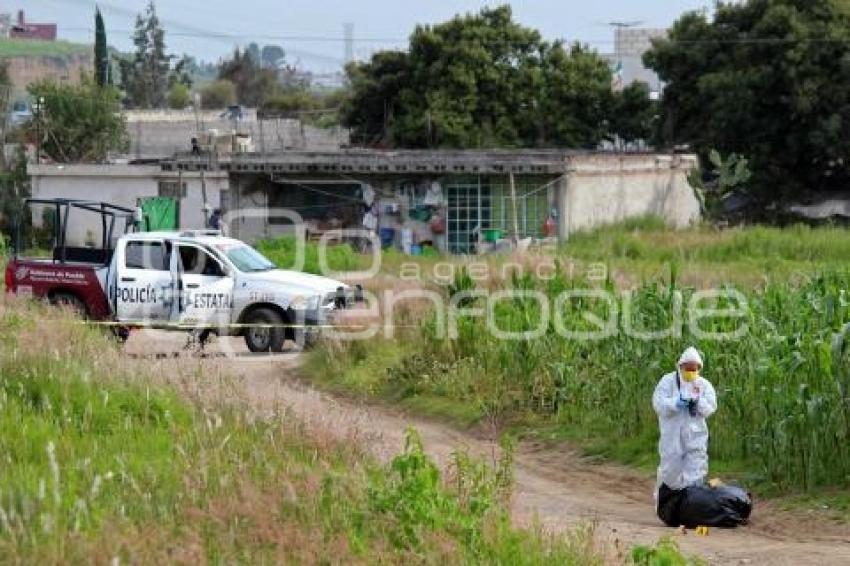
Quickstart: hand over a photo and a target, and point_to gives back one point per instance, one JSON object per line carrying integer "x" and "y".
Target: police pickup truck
{"x": 182, "y": 280}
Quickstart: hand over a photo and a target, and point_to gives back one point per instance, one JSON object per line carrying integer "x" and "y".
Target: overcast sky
{"x": 311, "y": 31}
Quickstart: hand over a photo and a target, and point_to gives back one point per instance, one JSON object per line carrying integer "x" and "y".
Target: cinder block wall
{"x": 121, "y": 185}
{"x": 605, "y": 189}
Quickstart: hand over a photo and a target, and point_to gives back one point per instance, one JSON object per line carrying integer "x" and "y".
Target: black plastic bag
{"x": 701, "y": 505}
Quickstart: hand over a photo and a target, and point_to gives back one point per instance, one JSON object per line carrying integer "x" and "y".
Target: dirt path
{"x": 557, "y": 488}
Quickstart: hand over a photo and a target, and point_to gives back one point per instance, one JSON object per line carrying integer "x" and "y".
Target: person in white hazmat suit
{"x": 683, "y": 401}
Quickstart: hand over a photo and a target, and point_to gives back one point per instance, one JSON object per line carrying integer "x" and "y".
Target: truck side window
{"x": 146, "y": 255}
{"x": 195, "y": 260}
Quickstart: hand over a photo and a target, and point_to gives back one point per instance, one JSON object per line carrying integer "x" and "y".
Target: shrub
{"x": 179, "y": 96}
{"x": 218, "y": 94}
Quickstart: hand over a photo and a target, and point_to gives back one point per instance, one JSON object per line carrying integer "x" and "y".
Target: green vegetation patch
{"x": 100, "y": 464}
{"x": 284, "y": 252}
{"x": 37, "y": 48}
{"x": 780, "y": 368}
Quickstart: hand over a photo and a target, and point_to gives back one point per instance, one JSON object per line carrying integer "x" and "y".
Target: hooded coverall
{"x": 683, "y": 445}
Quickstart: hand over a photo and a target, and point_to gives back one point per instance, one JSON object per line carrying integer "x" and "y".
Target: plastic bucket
{"x": 492, "y": 234}
{"x": 387, "y": 236}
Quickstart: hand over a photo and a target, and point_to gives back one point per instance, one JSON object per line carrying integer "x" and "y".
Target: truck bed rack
{"x": 109, "y": 212}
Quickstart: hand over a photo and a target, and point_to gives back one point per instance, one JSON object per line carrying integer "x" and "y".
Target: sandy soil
{"x": 555, "y": 486}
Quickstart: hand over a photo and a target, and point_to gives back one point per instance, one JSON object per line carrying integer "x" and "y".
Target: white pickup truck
{"x": 185, "y": 280}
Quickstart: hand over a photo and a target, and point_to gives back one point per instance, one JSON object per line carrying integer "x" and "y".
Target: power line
{"x": 405, "y": 41}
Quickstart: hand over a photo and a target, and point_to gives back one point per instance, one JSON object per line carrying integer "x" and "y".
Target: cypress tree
{"x": 101, "y": 54}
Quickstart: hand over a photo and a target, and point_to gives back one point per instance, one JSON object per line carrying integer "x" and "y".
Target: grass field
{"x": 34, "y": 48}
{"x": 783, "y": 385}
{"x": 104, "y": 463}
{"x": 706, "y": 256}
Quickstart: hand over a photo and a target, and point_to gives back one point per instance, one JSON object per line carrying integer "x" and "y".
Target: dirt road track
{"x": 558, "y": 488}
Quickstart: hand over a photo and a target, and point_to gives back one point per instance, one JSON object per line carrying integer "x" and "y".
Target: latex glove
{"x": 682, "y": 404}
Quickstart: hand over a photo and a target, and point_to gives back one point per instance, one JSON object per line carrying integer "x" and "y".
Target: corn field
{"x": 782, "y": 386}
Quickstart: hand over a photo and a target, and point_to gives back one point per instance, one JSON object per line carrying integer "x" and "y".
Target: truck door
{"x": 144, "y": 289}
{"x": 205, "y": 288}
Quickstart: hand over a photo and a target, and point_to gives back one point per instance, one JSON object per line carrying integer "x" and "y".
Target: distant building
{"x": 22, "y": 29}
{"x": 447, "y": 199}
{"x": 5, "y": 25}
{"x": 627, "y": 60}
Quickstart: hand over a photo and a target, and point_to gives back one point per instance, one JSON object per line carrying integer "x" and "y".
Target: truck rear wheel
{"x": 268, "y": 338}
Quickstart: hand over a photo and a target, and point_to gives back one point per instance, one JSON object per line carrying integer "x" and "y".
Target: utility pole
{"x": 513, "y": 206}
{"x": 38, "y": 109}
{"x": 204, "y": 198}
{"x": 196, "y": 106}
{"x": 348, "y": 32}
{"x": 262, "y": 134}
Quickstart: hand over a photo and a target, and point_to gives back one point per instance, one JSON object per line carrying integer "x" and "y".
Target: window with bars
{"x": 171, "y": 189}
{"x": 479, "y": 205}
{"x": 532, "y": 206}
{"x": 468, "y": 213}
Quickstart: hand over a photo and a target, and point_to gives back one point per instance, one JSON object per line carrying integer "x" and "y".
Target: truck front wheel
{"x": 262, "y": 338}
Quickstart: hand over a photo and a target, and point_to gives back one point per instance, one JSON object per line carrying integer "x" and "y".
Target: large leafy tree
{"x": 766, "y": 79}
{"x": 14, "y": 188}
{"x": 254, "y": 84}
{"x": 633, "y": 114}
{"x": 14, "y": 181}
{"x": 145, "y": 74}
{"x": 480, "y": 80}
{"x": 78, "y": 123}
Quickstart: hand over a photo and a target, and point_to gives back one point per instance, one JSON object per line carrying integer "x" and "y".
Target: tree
{"x": 218, "y": 94}
{"x": 14, "y": 182}
{"x": 79, "y": 122}
{"x": 768, "y": 80}
{"x": 182, "y": 72}
{"x": 14, "y": 188}
{"x": 480, "y": 80}
{"x": 633, "y": 114}
{"x": 376, "y": 87}
{"x": 253, "y": 84}
{"x": 102, "y": 72}
{"x": 179, "y": 96}
{"x": 5, "y": 92}
{"x": 145, "y": 76}
{"x": 271, "y": 56}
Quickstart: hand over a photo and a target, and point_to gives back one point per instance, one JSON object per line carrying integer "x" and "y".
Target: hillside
{"x": 30, "y": 61}
{"x": 32, "y": 48}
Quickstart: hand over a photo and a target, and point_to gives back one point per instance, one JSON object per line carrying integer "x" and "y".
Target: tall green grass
{"x": 783, "y": 387}
{"x": 649, "y": 239}
{"x": 283, "y": 251}
{"x": 103, "y": 464}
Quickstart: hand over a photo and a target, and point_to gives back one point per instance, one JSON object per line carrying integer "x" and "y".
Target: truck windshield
{"x": 246, "y": 258}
